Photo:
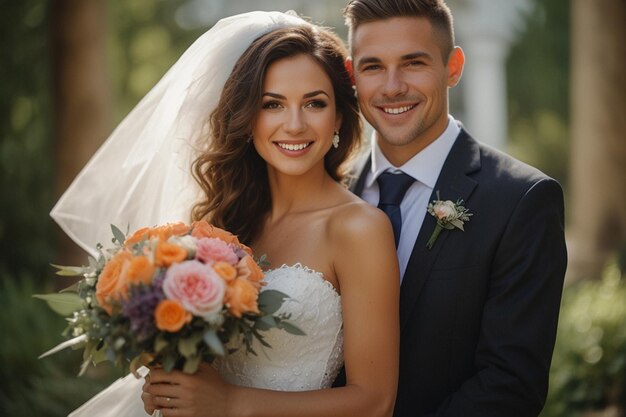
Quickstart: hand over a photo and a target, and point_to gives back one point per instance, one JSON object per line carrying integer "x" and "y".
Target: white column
{"x": 485, "y": 30}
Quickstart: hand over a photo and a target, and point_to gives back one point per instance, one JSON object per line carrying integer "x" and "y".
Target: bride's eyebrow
{"x": 307, "y": 95}
{"x": 315, "y": 93}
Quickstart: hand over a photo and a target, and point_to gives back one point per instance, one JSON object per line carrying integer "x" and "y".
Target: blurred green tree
{"x": 538, "y": 71}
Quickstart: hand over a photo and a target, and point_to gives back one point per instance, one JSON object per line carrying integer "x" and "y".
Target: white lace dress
{"x": 293, "y": 363}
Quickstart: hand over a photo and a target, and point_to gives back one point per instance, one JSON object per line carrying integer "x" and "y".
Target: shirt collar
{"x": 426, "y": 165}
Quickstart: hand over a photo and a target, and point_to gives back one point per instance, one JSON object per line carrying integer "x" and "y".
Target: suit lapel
{"x": 453, "y": 184}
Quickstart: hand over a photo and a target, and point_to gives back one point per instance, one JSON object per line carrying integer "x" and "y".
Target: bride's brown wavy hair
{"x": 230, "y": 172}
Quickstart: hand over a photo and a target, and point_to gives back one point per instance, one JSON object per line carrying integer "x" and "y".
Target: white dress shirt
{"x": 425, "y": 168}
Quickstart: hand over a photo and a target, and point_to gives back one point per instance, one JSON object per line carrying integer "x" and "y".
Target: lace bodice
{"x": 294, "y": 363}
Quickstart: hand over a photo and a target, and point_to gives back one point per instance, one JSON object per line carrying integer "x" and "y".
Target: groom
{"x": 478, "y": 308}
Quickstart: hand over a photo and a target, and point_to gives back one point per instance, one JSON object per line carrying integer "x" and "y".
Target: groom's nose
{"x": 395, "y": 84}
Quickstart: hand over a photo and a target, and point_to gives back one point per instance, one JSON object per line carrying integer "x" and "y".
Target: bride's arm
{"x": 365, "y": 263}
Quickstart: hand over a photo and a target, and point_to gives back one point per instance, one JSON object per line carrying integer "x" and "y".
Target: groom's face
{"x": 402, "y": 83}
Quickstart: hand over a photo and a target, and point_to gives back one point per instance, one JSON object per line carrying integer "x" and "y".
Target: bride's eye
{"x": 271, "y": 105}
{"x": 317, "y": 104}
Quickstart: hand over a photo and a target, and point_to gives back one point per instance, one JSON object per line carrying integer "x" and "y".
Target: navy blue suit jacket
{"x": 479, "y": 311}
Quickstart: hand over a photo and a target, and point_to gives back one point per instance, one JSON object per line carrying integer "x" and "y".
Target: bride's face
{"x": 294, "y": 127}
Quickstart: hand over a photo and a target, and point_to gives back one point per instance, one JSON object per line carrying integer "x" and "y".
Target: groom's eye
{"x": 372, "y": 67}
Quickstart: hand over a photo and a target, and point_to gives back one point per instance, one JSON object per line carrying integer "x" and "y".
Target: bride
{"x": 278, "y": 139}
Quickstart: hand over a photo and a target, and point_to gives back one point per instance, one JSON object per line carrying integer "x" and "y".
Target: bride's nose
{"x": 295, "y": 122}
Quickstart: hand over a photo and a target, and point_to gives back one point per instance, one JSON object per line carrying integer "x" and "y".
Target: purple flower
{"x": 140, "y": 305}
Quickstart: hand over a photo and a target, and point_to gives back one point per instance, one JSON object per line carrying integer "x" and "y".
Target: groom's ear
{"x": 349, "y": 68}
{"x": 455, "y": 66}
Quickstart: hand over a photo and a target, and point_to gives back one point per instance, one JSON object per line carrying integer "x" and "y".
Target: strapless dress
{"x": 293, "y": 363}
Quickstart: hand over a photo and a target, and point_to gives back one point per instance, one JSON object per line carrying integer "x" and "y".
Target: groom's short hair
{"x": 436, "y": 12}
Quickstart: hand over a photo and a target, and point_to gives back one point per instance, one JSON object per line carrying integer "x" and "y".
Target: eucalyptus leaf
{"x": 213, "y": 342}
{"x": 93, "y": 263}
{"x": 191, "y": 364}
{"x": 63, "y": 304}
{"x": 118, "y": 235}
{"x": 291, "y": 328}
{"x": 69, "y": 271}
{"x": 270, "y": 301}
{"x": 265, "y": 323}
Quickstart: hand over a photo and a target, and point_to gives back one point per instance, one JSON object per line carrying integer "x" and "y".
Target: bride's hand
{"x": 203, "y": 394}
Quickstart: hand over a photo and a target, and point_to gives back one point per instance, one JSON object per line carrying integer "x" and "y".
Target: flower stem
{"x": 434, "y": 236}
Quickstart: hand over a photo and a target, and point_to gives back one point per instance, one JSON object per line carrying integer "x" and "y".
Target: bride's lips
{"x": 293, "y": 148}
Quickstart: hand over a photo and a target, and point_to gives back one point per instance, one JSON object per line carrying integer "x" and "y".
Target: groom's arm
{"x": 520, "y": 315}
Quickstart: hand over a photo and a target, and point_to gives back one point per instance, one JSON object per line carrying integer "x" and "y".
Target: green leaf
{"x": 98, "y": 356}
{"x": 271, "y": 300}
{"x": 169, "y": 362}
{"x": 213, "y": 342}
{"x": 159, "y": 344}
{"x": 72, "y": 288}
{"x": 63, "y": 304}
{"x": 118, "y": 235}
{"x": 457, "y": 223}
{"x": 93, "y": 263}
{"x": 191, "y": 364}
{"x": 265, "y": 323}
{"x": 291, "y": 328}
{"x": 189, "y": 347}
{"x": 69, "y": 271}
{"x": 77, "y": 341}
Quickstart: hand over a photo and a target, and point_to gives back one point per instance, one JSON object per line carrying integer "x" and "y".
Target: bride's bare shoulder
{"x": 357, "y": 219}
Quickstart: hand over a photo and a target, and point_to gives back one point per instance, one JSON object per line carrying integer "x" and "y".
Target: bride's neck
{"x": 293, "y": 194}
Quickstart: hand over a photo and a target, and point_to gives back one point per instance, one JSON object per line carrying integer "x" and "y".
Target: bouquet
{"x": 173, "y": 295}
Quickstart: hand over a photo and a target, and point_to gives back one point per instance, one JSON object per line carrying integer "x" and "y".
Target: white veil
{"x": 141, "y": 175}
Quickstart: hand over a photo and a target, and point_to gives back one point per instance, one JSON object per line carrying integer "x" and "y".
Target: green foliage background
{"x": 144, "y": 41}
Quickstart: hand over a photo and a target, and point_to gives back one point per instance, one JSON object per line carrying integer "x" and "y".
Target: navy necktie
{"x": 392, "y": 190}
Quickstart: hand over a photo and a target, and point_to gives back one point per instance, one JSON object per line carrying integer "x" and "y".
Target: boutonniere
{"x": 449, "y": 215}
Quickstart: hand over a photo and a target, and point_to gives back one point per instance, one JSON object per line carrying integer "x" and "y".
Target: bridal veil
{"x": 141, "y": 175}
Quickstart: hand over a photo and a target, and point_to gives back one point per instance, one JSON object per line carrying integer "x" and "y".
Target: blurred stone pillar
{"x": 597, "y": 205}
{"x": 485, "y": 30}
{"x": 82, "y": 99}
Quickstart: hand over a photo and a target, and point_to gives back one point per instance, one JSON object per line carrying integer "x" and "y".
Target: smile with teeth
{"x": 294, "y": 146}
{"x": 397, "y": 110}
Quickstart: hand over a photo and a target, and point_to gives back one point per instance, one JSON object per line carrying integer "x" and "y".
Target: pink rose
{"x": 196, "y": 286}
{"x": 211, "y": 250}
{"x": 444, "y": 210}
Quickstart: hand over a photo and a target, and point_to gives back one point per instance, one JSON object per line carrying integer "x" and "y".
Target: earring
{"x": 250, "y": 139}
{"x": 336, "y": 139}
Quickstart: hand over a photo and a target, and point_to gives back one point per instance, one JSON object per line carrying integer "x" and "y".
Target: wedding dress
{"x": 293, "y": 363}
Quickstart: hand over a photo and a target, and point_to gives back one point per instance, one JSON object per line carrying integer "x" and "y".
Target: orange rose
{"x": 138, "y": 236}
{"x": 167, "y": 254}
{"x": 246, "y": 249}
{"x": 108, "y": 285}
{"x": 140, "y": 271}
{"x": 202, "y": 229}
{"x": 248, "y": 269}
{"x": 225, "y": 270}
{"x": 241, "y": 297}
{"x": 170, "y": 316}
{"x": 170, "y": 229}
